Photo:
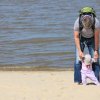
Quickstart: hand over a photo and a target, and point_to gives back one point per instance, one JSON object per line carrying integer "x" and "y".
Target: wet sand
{"x": 44, "y": 85}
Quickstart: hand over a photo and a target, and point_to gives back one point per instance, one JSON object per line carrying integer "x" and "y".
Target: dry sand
{"x": 44, "y": 85}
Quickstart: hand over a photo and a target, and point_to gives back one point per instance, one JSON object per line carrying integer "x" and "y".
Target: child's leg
{"x": 93, "y": 78}
{"x": 83, "y": 78}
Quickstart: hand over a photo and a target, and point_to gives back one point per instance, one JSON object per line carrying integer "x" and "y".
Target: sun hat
{"x": 87, "y": 59}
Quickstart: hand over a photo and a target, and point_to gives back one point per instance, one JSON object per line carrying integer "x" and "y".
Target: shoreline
{"x": 32, "y": 68}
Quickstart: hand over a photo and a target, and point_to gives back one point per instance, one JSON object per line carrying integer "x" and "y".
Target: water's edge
{"x": 28, "y": 68}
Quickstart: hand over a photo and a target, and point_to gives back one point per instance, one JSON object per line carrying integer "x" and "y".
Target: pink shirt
{"x": 86, "y": 67}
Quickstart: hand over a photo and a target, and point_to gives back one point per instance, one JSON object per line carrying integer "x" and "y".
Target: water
{"x": 39, "y": 32}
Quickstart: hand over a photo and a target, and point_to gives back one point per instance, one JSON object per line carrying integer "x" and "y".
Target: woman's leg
{"x": 96, "y": 67}
{"x": 77, "y": 65}
{"x": 77, "y": 69}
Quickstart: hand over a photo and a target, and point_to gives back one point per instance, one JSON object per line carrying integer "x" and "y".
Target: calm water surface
{"x": 39, "y": 32}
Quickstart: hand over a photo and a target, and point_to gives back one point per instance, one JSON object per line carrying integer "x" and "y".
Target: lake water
{"x": 39, "y": 32}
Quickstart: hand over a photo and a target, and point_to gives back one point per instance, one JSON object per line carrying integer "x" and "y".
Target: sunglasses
{"x": 87, "y": 14}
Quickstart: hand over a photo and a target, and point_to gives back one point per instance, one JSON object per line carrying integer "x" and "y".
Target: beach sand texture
{"x": 44, "y": 85}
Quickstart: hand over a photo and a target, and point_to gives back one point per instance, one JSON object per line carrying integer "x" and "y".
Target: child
{"x": 86, "y": 71}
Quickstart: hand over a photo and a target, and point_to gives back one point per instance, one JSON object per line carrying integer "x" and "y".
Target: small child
{"x": 86, "y": 71}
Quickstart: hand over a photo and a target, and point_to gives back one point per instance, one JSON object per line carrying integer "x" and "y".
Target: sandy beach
{"x": 44, "y": 85}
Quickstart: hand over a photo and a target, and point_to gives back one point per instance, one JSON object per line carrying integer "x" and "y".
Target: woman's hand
{"x": 81, "y": 54}
{"x": 96, "y": 55}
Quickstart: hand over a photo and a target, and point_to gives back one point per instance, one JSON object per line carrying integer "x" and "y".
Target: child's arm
{"x": 94, "y": 60}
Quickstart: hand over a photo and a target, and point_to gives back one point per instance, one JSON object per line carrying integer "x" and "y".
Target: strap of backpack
{"x": 80, "y": 27}
{"x": 93, "y": 26}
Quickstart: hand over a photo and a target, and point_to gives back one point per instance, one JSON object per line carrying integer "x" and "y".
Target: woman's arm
{"x": 77, "y": 43}
{"x": 96, "y": 39}
{"x": 96, "y": 55}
